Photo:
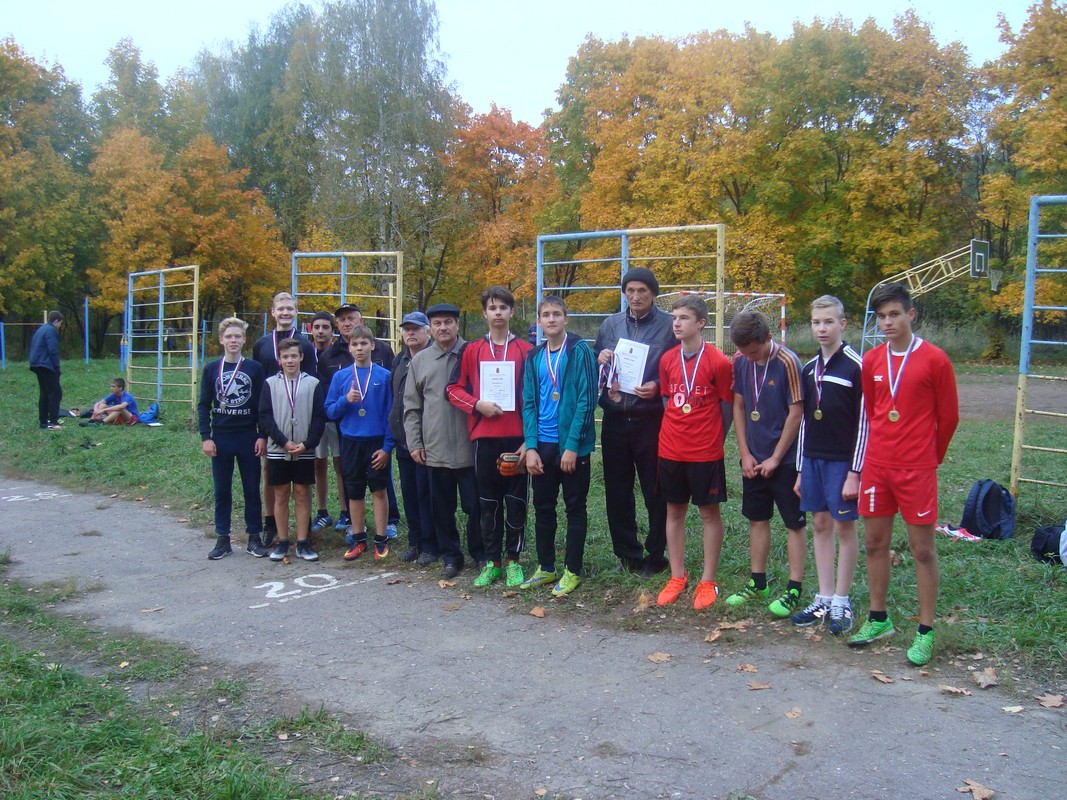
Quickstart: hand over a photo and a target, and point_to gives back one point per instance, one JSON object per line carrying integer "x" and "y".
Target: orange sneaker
{"x": 707, "y": 592}
{"x": 673, "y": 590}
{"x": 358, "y": 549}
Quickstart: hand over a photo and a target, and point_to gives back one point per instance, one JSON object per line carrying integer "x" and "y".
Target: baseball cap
{"x": 345, "y": 309}
{"x": 415, "y": 318}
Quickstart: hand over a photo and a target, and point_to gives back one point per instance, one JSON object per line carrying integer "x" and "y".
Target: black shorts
{"x": 300, "y": 471}
{"x": 700, "y": 482}
{"x": 359, "y": 475}
{"x": 760, "y": 495}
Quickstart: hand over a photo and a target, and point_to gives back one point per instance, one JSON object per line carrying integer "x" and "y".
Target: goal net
{"x": 771, "y": 305}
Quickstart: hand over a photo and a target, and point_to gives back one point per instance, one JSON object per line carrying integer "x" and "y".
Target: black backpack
{"x": 989, "y": 511}
{"x": 1046, "y": 544}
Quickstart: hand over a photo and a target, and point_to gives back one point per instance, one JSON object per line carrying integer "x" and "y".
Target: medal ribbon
{"x": 894, "y": 385}
{"x": 691, "y": 382}
{"x": 291, "y": 394}
{"x": 758, "y": 390}
{"x": 362, "y": 387}
{"x": 553, "y": 370}
{"x": 227, "y": 385}
{"x": 492, "y": 347}
{"x": 820, "y": 370}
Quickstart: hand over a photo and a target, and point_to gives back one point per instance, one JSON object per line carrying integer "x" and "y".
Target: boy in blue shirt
{"x": 360, "y": 399}
{"x": 559, "y": 395}
{"x": 118, "y": 408}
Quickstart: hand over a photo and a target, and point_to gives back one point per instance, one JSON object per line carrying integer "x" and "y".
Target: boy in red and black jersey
{"x": 909, "y": 392}
{"x": 697, "y": 381}
{"x": 489, "y": 389}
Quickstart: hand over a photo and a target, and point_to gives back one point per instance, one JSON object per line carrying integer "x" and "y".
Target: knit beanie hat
{"x": 641, "y": 275}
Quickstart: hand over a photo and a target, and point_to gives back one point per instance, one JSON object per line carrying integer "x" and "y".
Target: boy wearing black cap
{"x": 629, "y": 435}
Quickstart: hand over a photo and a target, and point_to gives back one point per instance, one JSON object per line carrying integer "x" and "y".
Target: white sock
{"x": 822, "y": 599}
{"x": 840, "y": 601}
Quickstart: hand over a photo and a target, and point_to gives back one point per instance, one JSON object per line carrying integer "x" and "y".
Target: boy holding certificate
{"x": 489, "y": 390}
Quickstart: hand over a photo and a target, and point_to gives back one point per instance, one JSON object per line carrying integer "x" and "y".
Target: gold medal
{"x": 755, "y": 416}
{"x": 894, "y": 415}
{"x": 818, "y": 413}
{"x": 362, "y": 412}
{"x": 555, "y": 397}
{"x": 686, "y": 408}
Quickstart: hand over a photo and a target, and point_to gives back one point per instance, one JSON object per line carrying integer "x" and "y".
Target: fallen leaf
{"x": 283, "y": 737}
{"x": 953, "y": 690}
{"x": 453, "y": 607}
{"x": 142, "y": 486}
{"x": 394, "y": 582}
{"x": 881, "y": 677}
{"x": 976, "y": 790}
{"x": 733, "y": 626}
{"x": 443, "y": 584}
{"x": 195, "y": 506}
{"x": 152, "y": 610}
{"x": 977, "y": 656}
{"x": 756, "y": 686}
{"x": 537, "y": 611}
{"x": 541, "y": 792}
{"x": 112, "y": 496}
{"x": 659, "y": 658}
{"x": 124, "y": 664}
{"x": 986, "y": 678}
{"x": 895, "y": 558}
{"x": 510, "y": 594}
{"x": 924, "y": 672}
{"x": 811, "y": 635}
{"x": 1050, "y": 700}
{"x": 793, "y": 713}
{"x": 711, "y": 637}
{"x": 747, "y": 668}
{"x": 182, "y": 519}
{"x": 287, "y": 560}
{"x": 1012, "y": 709}
{"x": 138, "y": 499}
{"x": 643, "y": 602}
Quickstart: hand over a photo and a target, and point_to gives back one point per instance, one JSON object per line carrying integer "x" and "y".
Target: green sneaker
{"x": 871, "y": 631}
{"x": 488, "y": 576}
{"x": 750, "y": 592}
{"x": 922, "y": 649}
{"x": 539, "y": 578}
{"x": 514, "y": 574}
{"x": 785, "y": 605}
{"x": 567, "y": 584}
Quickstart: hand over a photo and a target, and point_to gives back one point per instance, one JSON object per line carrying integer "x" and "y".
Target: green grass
{"x": 994, "y": 597}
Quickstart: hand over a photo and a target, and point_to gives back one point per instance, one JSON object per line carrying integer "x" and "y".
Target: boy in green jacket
{"x": 559, "y": 397}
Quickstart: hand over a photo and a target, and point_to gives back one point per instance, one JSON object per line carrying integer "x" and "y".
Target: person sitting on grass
{"x": 292, "y": 419}
{"x": 118, "y": 408}
{"x": 360, "y": 399}
{"x": 697, "y": 381}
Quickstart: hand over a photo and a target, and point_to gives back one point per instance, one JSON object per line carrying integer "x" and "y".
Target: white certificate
{"x": 630, "y": 358}
{"x": 498, "y": 383}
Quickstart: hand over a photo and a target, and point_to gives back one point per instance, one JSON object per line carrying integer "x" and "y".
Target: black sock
{"x": 878, "y": 616}
{"x": 793, "y": 585}
{"x": 381, "y": 540}
{"x": 269, "y": 523}
{"x": 759, "y": 579}
{"x": 925, "y": 629}
{"x": 324, "y": 512}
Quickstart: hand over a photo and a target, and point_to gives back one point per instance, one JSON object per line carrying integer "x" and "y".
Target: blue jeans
{"x": 239, "y": 447}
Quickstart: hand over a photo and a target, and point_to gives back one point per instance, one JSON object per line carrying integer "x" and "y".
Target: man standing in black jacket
{"x": 44, "y": 363}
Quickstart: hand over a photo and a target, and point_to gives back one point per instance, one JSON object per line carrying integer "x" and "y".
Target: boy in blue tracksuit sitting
{"x": 559, "y": 396}
{"x": 360, "y": 399}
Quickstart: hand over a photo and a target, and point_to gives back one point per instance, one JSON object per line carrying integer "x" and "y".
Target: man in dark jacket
{"x": 44, "y": 363}
{"x": 629, "y": 436}
{"x": 414, "y": 478}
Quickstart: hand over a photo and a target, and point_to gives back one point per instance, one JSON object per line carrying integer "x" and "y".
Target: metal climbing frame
{"x": 972, "y": 259}
{"x": 1031, "y": 310}
{"x": 593, "y": 278}
{"x": 160, "y": 340}
{"x": 372, "y": 280}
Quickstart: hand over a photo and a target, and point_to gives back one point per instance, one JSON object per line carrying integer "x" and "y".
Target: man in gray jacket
{"x": 44, "y": 363}
{"x": 437, "y": 436}
{"x": 629, "y": 435}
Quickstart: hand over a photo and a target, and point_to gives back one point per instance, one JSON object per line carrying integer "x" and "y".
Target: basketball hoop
{"x": 994, "y": 278}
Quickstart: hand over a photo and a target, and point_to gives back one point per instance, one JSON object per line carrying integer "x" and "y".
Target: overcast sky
{"x": 511, "y": 54}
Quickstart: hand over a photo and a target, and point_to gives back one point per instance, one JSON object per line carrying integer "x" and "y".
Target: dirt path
{"x": 994, "y": 396}
{"x": 475, "y": 693}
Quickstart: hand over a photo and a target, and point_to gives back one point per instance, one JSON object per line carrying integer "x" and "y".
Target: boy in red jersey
{"x": 909, "y": 392}
{"x": 489, "y": 389}
{"x": 697, "y": 381}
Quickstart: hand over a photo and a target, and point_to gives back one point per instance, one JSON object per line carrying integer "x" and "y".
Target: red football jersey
{"x": 926, "y": 402}
{"x": 696, "y": 436}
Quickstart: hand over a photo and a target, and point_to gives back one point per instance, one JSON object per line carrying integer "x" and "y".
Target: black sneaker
{"x": 303, "y": 549}
{"x": 426, "y": 559}
{"x": 255, "y": 546}
{"x": 222, "y": 548}
{"x": 270, "y": 533}
{"x": 451, "y": 571}
{"x": 410, "y": 554}
{"x": 280, "y": 551}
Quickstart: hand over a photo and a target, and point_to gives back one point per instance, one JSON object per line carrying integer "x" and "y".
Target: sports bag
{"x": 151, "y": 414}
{"x": 1049, "y": 544}
{"x": 989, "y": 511}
